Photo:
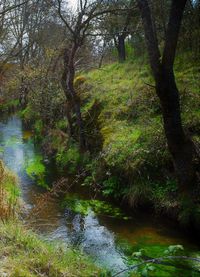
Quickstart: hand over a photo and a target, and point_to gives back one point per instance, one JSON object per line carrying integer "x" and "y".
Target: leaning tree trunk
{"x": 180, "y": 145}
{"x": 77, "y": 110}
{"x": 68, "y": 111}
{"x": 73, "y": 101}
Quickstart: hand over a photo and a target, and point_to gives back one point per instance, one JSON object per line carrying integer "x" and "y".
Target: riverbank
{"x": 22, "y": 252}
{"x": 127, "y": 157}
{"x": 127, "y": 160}
{"x": 103, "y": 231}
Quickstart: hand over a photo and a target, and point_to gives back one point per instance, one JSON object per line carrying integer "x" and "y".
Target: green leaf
{"x": 144, "y": 272}
{"x": 174, "y": 248}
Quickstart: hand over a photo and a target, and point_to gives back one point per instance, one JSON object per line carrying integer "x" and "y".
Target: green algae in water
{"x": 144, "y": 250}
{"x": 13, "y": 141}
{"x": 99, "y": 207}
{"x": 36, "y": 170}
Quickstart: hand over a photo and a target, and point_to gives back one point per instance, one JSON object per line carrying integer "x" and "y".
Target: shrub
{"x": 69, "y": 158}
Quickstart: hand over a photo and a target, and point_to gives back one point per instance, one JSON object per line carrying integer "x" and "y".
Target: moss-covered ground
{"x": 134, "y": 156}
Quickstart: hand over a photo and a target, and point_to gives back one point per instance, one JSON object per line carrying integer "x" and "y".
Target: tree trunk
{"x": 121, "y": 48}
{"x": 68, "y": 105}
{"x": 79, "y": 120}
{"x": 73, "y": 102}
{"x": 76, "y": 108}
{"x": 69, "y": 118}
{"x": 180, "y": 146}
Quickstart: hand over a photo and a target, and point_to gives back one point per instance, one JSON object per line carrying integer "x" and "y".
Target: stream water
{"x": 108, "y": 239}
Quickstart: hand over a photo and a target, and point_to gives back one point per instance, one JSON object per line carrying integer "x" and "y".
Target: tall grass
{"x": 9, "y": 193}
{"x": 24, "y": 254}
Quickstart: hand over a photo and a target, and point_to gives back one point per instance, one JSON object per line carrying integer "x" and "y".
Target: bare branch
{"x": 63, "y": 19}
{"x": 8, "y": 9}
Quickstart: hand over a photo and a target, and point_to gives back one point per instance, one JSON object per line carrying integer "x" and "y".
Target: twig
{"x": 12, "y": 8}
{"x": 152, "y": 86}
{"x": 156, "y": 261}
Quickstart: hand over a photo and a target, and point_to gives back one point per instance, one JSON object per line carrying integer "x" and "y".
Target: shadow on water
{"x": 106, "y": 236}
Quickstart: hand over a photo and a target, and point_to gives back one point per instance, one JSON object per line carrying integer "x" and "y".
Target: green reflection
{"x": 99, "y": 207}
{"x": 36, "y": 170}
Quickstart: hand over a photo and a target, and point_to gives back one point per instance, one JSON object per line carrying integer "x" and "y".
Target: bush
{"x": 69, "y": 158}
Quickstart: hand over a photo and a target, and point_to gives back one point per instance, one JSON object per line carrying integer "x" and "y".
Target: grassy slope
{"x": 134, "y": 145}
{"x": 124, "y": 130}
{"x": 23, "y": 253}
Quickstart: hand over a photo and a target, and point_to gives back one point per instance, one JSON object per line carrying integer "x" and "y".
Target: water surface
{"x": 107, "y": 238}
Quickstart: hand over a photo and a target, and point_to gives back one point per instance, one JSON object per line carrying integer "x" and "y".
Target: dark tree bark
{"x": 121, "y": 35}
{"x": 74, "y": 97}
{"x": 73, "y": 101}
{"x": 180, "y": 146}
{"x": 121, "y": 48}
{"x": 68, "y": 105}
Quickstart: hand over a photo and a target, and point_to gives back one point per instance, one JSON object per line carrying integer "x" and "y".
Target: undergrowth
{"x": 134, "y": 153}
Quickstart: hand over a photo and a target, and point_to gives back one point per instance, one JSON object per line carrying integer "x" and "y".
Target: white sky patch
{"x": 73, "y": 4}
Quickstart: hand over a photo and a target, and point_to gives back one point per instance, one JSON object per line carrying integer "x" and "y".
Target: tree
{"x": 7, "y": 8}
{"x": 119, "y": 24}
{"x": 79, "y": 27}
{"x": 10, "y": 35}
{"x": 180, "y": 145}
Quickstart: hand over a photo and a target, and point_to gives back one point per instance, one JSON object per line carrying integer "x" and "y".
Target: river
{"x": 107, "y": 238}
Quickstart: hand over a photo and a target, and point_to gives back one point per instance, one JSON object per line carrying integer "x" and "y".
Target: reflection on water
{"x": 96, "y": 235}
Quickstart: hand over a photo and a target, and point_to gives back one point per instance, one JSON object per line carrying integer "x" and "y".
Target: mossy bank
{"x": 127, "y": 156}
